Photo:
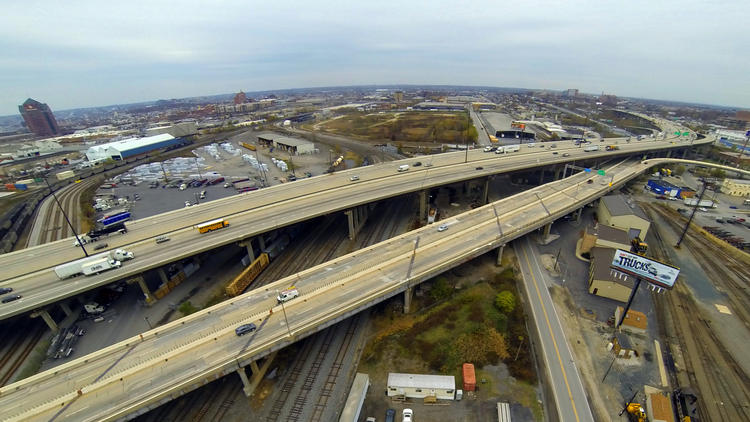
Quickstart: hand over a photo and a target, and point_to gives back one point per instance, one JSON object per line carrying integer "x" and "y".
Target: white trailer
{"x": 100, "y": 265}
{"x": 512, "y": 148}
{"x": 69, "y": 269}
{"x": 589, "y": 148}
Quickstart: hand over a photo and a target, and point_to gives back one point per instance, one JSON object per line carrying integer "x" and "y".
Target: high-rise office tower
{"x": 39, "y": 118}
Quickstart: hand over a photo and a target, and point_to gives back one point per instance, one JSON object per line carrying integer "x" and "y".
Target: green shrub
{"x": 187, "y": 308}
{"x": 505, "y": 301}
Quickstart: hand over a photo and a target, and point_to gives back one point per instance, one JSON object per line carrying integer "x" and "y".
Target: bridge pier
{"x": 541, "y": 176}
{"x": 66, "y": 308}
{"x": 486, "y": 193}
{"x": 356, "y": 218}
{"x": 499, "y": 261}
{"x": 558, "y": 173}
{"x": 146, "y": 292}
{"x": 422, "y": 206}
{"x": 47, "y": 318}
{"x": 249, "y": 385}
{"x": 577, "y": 215}
{"x": 248, "y": 244}
{"x": 407, "y": 299}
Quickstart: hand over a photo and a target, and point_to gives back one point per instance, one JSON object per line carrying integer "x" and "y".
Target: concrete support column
{"x": 578, "y": 213}
{"x": 261, "y": 242}
{"x": 547, "y": 229}
{"x": 350, "y": 220}
{"x": 558, "y": 173}
{"x": 258, "y": 373}
{"x": 407, "y": 300}
{"x": 163, "y": 275}
{"x": 499, "y": 261}
{"x": 248, "y": 244}
{"x": 486, "y": 194}
{"x": 245, "y": 381}
{"x": 684, "y": 153}
{"x": 541, "y": 176}
{"x": 669, "y": 153}
{"x": 47, "y": 318}
{"x": 146, "y": 292}
{"x": 66, "y": 308}
{"x": 422, "y": 206}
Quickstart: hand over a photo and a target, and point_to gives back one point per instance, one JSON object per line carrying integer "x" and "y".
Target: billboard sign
{"x": 654, "y": 272}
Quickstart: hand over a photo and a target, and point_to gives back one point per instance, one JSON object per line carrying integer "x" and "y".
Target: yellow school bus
{"x": 212, "y": 225}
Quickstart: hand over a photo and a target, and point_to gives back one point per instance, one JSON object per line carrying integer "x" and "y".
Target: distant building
{"x": 398, "y": 96}
{"x": 570, "y": 93}
{"x": 291, "y": 145}
{"x": 658, "y": 405}
{"x": 129, "y": 147}
{"x": 736, "y": 187}
{"x": 434, "y": 105}
{"x": 39, "y": 118}
{"x": 608, "y": 100}
{"x": 615, "y": 211}
{"x": 240, "y": 98}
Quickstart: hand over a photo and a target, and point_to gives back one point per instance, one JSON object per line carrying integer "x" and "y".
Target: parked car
{"x": 406, "y": 415}
{"x": 390, "y": 415}
{"x": 245, "y": 328}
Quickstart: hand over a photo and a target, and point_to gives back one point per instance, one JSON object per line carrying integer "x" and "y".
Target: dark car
{"x": 480, "y": 168}
{"x": 244, "y": 329}
{"x": 554, "y": 152}
{"x": 417, "y": 164}
{"x": 11, "y": 298}
{"x": 100, "y": 246}
{"x": 4, "y": 290}
{"x": 390, "y": 415}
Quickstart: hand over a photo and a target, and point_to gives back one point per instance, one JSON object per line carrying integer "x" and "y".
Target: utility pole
{"x": 692, "y": 214}
{"x": 78, "y": 239}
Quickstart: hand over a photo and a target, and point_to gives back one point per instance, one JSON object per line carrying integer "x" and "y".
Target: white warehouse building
{"x": 120, "y": 150}
{"x": 418, "y": 386}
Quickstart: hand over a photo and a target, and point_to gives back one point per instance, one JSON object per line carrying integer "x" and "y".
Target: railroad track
{"x": 326, "y": 391}
{"x": 723, "y": 387}
{"x": 290, "y": 381}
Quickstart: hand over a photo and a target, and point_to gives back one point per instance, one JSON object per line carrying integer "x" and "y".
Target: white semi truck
{"x": 93, "y": 264}
{"x": 589, "y": 148}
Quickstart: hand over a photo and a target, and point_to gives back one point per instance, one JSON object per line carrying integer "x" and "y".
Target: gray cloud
{"x": 86, "y": 53}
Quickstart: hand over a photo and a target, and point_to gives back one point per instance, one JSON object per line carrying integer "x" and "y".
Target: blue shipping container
{"x": 20, "y": 186}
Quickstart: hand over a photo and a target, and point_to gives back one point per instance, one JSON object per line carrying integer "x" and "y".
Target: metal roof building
{"x": 119, "y": 150}
{"x": 292, "y": 145}
{"x": 420, "y": 386}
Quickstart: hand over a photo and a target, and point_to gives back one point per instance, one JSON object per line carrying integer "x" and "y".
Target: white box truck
{"x": 512, "y": 148}
{"x": 403, "y": 167}
{"x": 589, "y": 148}
{"x": 99, "y": 265}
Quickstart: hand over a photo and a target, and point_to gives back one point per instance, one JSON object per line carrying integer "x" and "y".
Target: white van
{"x": 403, "y": 167}
{"x": 287, "y": 294}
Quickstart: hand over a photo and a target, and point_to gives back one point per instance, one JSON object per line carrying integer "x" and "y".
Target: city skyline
{"x": 87, "y": 58}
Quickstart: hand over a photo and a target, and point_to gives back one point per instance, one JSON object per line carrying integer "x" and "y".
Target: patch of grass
{"x": 187, "y": 308}
{"x": 215, "y": 299}
{"x": 428, "y": 127}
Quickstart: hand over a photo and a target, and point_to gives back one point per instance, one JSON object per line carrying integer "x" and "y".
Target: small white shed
{"x": 419, "y": 386}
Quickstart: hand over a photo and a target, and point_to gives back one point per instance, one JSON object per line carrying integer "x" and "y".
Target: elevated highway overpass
{"x": 142, "y": 372}
{"x": 30, "y": 271}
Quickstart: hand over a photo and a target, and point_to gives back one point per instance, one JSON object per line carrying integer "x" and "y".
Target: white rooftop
{"x": 421, "y": 381}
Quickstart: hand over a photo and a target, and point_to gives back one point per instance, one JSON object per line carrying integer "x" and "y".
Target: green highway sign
{"x": 600, "y": 172}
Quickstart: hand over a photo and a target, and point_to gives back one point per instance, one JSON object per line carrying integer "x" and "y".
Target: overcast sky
{"x": 91, "y": 53}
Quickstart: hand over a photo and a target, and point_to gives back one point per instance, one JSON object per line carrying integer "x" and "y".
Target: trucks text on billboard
{"x": 655, "y": 272}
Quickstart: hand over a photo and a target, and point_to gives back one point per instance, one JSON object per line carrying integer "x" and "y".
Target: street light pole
{"x": 66, "y": 218}
{"x": 289, "y": 331}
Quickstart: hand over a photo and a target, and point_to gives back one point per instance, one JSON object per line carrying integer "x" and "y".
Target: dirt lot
{"x": 423, "y": 127}
{"x": 430, "y": 341}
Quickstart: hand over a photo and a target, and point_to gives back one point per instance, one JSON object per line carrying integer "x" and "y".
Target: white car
{"x": 443, "y": 227}
{"x": 354, "y": 178}
{"x": 406, "y": 415}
